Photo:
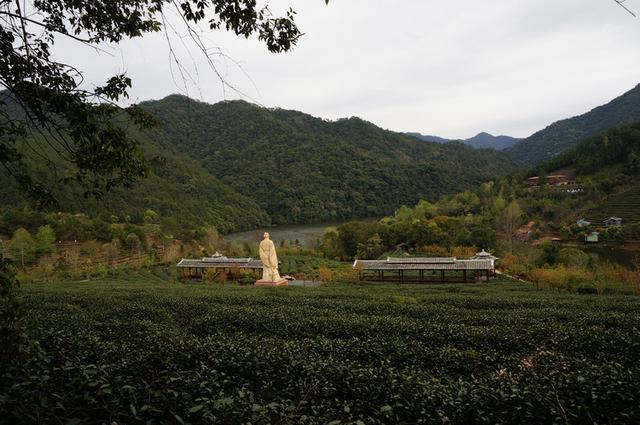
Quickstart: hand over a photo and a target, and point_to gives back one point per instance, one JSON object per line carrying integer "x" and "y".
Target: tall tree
{"x": 45, "y": 239}
{"x": 22, "y": 245}
{"x": 510, "y": 221}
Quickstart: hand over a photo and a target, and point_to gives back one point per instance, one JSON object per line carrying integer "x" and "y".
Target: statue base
{"x": 281, "y": 282}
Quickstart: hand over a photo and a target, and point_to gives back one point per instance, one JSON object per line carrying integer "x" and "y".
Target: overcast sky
{"x": 448, "y": 68}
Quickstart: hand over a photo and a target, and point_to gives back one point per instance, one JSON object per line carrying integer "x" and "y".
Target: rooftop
{"x": 220, "y": 261}
{"x": 436, "y": 263}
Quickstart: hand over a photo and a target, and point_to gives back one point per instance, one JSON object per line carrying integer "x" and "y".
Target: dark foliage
{"x": 302, "y": 169}
{"x": 184, "y": 195}
{"x": 617, "y": 146}
{"x": 136, "y": 350}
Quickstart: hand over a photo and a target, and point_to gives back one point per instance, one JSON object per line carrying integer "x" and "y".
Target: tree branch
{"x": 625, "y": 7}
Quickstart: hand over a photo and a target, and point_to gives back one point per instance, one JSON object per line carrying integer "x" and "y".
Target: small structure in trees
{"x": 592, "y": 237}
{"x": 583, "y": 223}
{"x": 613, "y": 222}
{"x": 421, "y": 270}
{"x": 557, "y": 179}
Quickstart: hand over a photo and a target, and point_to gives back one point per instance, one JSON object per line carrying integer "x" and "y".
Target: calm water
{"x": 305, "y": 234}
{"x": 627, "y": 256}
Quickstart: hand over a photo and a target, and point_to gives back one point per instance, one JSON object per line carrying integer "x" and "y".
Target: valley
{"x": 240, "y": 212}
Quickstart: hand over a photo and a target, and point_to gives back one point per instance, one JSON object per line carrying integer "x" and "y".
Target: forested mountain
{"x": 184, "y": 197}
{"x": 479, "y": 141}
{"x": 236, "y": 166}
{"x": 302, "y": 169}
{"x": 488, "y": 141}
{"x": 565, "y": 134}
{"x": 618, "y": 147}
{"x": 431, "y": 138}
{"x": 608, "y": 166}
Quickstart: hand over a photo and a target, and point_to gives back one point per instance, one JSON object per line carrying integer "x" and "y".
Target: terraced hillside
{"x": 625, "y": 205}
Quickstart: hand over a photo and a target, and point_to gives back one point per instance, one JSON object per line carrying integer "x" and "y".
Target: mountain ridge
{"x": 303, "y": 169}
{"x": 565, "y": 134}
{"x": 482, "y": 140}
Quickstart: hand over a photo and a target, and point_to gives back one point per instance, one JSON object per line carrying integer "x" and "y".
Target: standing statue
{"x": 270, "y": 275}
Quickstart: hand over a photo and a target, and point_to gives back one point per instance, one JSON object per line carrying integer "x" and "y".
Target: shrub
{"x": 435, "y": 250}
{"x": 355, "y": 273}
{"x": 209, "y": 276}
{"x": 325, "y": 275}
{"x": 573, "y": 257}
{"x": 463, "y": 251}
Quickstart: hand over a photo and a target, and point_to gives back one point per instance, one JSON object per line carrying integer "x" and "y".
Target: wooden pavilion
{"x": 479, "y": 268}
{"x": 221, "y": 264}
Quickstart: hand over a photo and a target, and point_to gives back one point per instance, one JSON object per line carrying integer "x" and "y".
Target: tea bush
{"x": 137, "y": 349}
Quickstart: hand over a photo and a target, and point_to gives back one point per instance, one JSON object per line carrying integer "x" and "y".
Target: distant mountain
{"x": 302, "y": 169}
{"x": 429, "y": 138}
{"x": 487, "y": 141}
{"x": 565, "y": 134}
{"x": 479, "y": 141}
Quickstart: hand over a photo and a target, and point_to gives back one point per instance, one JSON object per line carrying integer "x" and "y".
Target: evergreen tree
{"x": 45, "y": 240}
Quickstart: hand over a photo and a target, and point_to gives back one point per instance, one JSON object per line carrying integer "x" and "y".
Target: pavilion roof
{"x": 222, "y": 263}
{"x": 437, "y": 263}
{"x": 484, "y": 255}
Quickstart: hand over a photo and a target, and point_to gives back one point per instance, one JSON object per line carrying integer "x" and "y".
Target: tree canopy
{"x": 86, "y": 127}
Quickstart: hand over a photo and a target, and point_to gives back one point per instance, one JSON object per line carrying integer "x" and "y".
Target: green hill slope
{"x": 186, "y": 197}
{"x": 565, "y": 134}
{"x": 608, "y": 163}
{"x": 302, "y": 169}
{"x": 625, "y": 205}
{"x": 237, "y": 166}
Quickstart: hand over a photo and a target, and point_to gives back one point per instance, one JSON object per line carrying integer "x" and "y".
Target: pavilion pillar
{"x": 421, "y": 276}
{"x": 487, "y": 276}
{"x": 441, "y": 275}
{"x": 464, "y": 275}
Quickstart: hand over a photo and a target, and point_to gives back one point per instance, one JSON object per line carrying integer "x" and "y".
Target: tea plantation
{"x": 137, "y": 349}
{"x": 625, "y": 205}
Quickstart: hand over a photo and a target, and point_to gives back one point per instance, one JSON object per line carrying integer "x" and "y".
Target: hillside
{"x": 479, "y": 141}
{"x": 617, "y": 147}
{"x": 625, "y": 204}
{"x": 608, "y": 163}
{"x": 565, "y": 134}
{"x": 302, "y": 169}
{"x": 184, "y": 196}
